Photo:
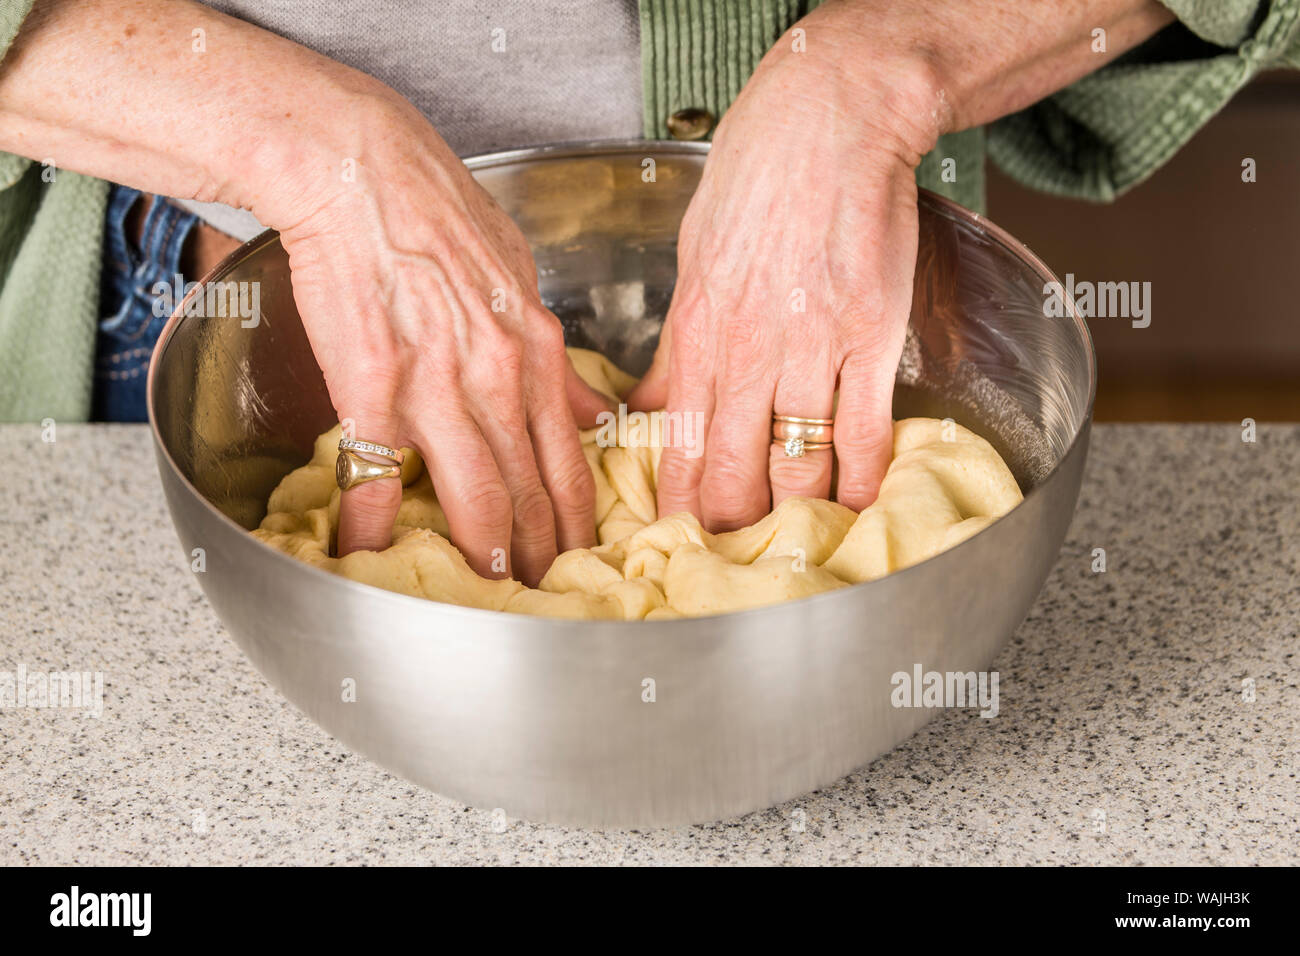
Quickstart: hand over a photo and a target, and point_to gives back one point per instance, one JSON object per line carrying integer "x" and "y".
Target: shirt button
{"x": 691, "y": 123}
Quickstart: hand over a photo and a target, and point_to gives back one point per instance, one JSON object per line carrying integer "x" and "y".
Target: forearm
{"x": 948, "y": 65}
{"x": 117, "y": 89}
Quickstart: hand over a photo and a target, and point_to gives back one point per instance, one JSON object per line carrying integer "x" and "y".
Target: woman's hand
{"x": 419, "y": 296}
{"x": 797, "y": 253}
{"x": 795, "y": 263}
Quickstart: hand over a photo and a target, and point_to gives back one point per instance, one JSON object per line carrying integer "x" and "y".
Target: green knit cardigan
{"x": 1092, "y": 140}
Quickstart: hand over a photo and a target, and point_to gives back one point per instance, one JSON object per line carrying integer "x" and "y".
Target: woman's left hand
{"x": 796, "y": 260}
{"x": 797, "y": 254}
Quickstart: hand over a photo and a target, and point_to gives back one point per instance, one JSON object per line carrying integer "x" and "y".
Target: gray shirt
{"x": 488, "y": 74}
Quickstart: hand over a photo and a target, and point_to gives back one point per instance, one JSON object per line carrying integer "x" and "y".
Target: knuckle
{"x": 743, "y": 332}
{"x": 548, "y": 344}
{"x": 574, "y": 487}
{"x": 496, "y": 348}
{"x": 675, "y": 469}
{"x": 856, "y": 444}
{"x": 497, "y": 376}
{"x": 533, "y": 507}
{"x": 752, "y": 361}
{"x": 534, "y": 520}
{"x": 730, "y": 491}
{"x": 489, "y": 502}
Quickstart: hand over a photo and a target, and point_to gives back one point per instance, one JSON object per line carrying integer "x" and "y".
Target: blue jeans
{"x": 127, "y": 336}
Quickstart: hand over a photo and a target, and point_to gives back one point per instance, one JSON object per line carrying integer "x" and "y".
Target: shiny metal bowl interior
{"x": 547, "y": 719}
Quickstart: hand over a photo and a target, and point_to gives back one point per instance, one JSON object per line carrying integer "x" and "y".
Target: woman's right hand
{"x": 419, "y": 296}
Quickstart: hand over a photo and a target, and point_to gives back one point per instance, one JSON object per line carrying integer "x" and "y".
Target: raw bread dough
{"x": 945, "y": 483}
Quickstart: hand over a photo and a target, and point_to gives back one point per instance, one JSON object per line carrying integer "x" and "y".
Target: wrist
{"x": 948, "y": 65}
{"x": 303, "y": 147}
{"x": 872, "y": 70}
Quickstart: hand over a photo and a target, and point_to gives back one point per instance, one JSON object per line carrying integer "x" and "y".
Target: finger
{"x": 802, "y": 393}
{"x": 735, "y": 491}
{"x": 470, "y": 490}
{"x": 560, "y": 460}
{"x": 367, "y": 511}
{"x": 585, "y": 403}
{"x": 681, "y": 464}
{"x": 864, "y": 429}
{"x": 503, "y": 422}
{"x": 651, "y": 393}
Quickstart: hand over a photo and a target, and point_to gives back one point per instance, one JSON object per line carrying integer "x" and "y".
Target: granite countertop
{"x": 1149, "y": 714}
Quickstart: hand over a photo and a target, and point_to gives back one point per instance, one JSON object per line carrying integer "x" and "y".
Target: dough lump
{"x": 944, "y": 484}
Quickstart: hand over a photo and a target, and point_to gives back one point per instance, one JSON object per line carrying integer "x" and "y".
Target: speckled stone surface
{"x": 1125, "y": 735}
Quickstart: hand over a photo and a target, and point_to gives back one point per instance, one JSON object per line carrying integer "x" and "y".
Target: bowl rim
{"x": 942, "y": 204}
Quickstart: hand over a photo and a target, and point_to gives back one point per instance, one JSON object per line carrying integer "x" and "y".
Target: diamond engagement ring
{"x": 800, "y": 435}
{"x": 372, "y": 448}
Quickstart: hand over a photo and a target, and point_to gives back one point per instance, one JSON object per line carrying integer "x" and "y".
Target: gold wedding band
{"x": 801, "y": 435}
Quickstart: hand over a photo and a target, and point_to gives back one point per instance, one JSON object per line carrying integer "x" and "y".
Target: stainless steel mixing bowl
{"x": 547, "y": 719}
